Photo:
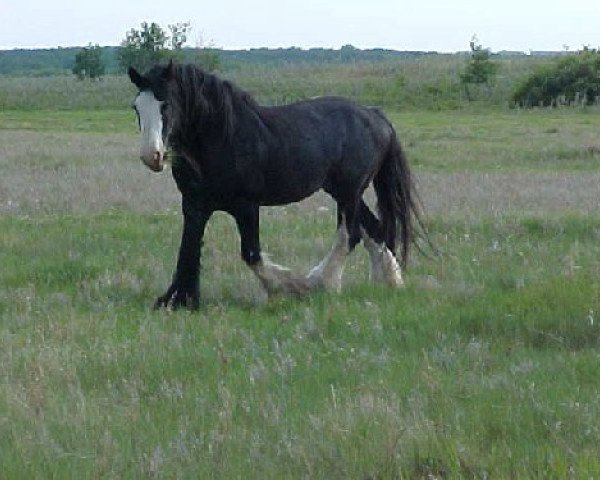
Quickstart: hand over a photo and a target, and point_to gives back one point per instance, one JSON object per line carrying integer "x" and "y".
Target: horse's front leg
{"x": 185, "y": 288}
{"x": 274, "y": 278}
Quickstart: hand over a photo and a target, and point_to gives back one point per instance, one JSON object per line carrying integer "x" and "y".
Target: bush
{"x": 574, "y": 78}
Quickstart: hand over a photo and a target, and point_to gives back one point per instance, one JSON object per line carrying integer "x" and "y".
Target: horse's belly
{"x": 280, "y": 191}
{"x": 283, "y": 198}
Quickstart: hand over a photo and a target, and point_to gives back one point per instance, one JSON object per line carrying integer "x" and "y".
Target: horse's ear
{"x": 169, "y": 73}
{"x": 135, "y": 77}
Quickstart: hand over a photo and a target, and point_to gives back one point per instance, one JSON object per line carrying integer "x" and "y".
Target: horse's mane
{"x": 203, "y": 104}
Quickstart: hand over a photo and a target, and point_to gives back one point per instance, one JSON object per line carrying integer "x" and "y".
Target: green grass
{"x": 473, "y": 140}
{"x": 73, "y": 121}
{"x": 484, "y": 366}
{"x": 554, "y": 140}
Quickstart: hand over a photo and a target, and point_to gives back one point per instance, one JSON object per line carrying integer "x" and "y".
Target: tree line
{"x": 151, "y": 43}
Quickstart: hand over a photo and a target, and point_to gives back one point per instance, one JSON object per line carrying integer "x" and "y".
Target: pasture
{"x": 484, "y": 366}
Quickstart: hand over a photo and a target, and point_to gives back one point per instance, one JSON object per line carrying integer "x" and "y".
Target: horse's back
{"x": 321, "y": 121}
{"x": 325, "y": 142}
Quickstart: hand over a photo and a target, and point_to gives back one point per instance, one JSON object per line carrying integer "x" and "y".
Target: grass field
{"x": 428, "y": 82}
{"x": 484, "y": 366}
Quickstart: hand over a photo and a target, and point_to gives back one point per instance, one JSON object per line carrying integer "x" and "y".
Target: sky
{"x": 443, "y": 26}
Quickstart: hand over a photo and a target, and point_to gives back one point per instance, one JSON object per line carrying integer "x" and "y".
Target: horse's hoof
{"x": 178, "y": 299}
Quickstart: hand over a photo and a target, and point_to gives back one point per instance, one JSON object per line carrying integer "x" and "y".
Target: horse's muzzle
{"x": 154, "y": 162}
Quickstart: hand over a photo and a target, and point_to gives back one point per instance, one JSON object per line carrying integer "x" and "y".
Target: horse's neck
{"x": 248, "y": 124}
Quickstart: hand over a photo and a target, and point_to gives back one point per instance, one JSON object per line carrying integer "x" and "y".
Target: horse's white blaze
{"x": 152, "y": 149}
{"x": 384, "y": 265}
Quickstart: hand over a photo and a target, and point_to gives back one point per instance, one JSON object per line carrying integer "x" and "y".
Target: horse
{"x": 230, "y": 154}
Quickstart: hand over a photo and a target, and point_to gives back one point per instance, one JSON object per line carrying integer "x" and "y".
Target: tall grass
{"x": 64, "y": 93}
{"x": 430, "y": 82}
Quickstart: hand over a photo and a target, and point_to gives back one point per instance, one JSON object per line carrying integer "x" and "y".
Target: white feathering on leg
{"x": 277, "y": 279}
{"x": 328, "y": 273}
{"x": 384, "y": 265}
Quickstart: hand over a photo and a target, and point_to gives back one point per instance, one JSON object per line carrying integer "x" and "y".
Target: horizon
{"x": 306, "y": 49}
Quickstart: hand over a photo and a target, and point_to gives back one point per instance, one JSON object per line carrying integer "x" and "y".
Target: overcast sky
{"x": 441, "y": 25}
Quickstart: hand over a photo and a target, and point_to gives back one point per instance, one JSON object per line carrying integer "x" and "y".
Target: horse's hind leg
{"x": 328, "y": 273}
{"x": 384, "y": 264}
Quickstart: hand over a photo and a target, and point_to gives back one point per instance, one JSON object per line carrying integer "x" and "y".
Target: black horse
{"x": 233, "y": 155}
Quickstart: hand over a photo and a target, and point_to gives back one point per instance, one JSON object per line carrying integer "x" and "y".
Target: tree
{"x": 151, "y": 44}
{"x": 480, "y": 70}
{"x": 179, "y": 34}
{"x": 348, "y": 54}
{"x": 89, "y": 63}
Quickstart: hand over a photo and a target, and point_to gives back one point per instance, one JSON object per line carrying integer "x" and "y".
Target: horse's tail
{"x": 397, "y": 201}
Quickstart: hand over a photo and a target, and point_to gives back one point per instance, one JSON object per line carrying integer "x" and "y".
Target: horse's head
{"x": 153, "y": 111}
